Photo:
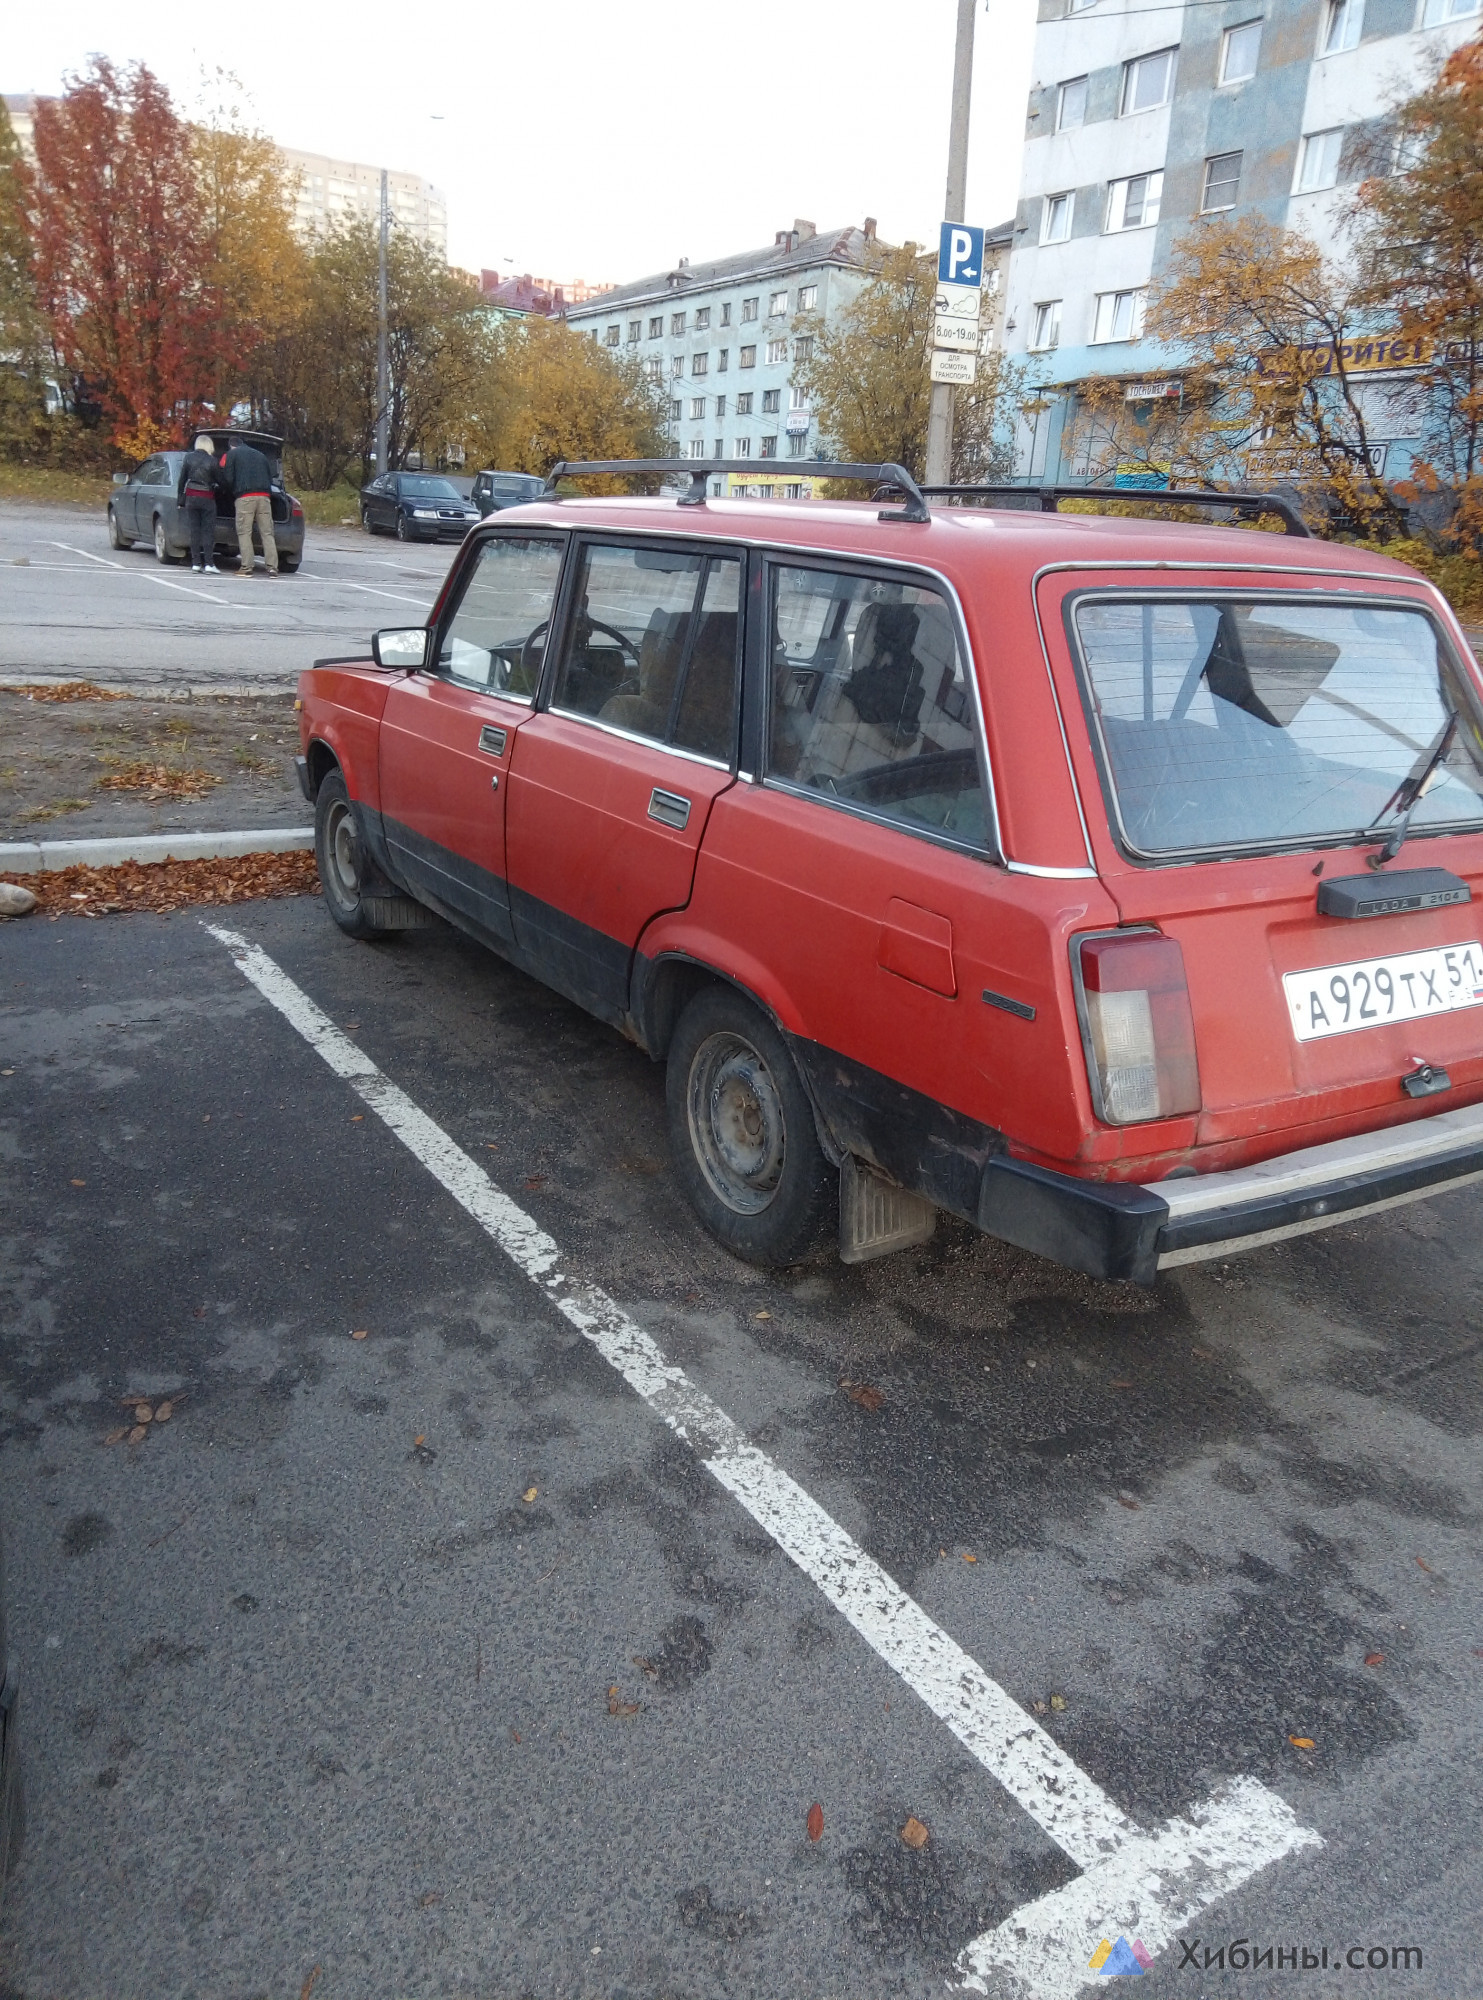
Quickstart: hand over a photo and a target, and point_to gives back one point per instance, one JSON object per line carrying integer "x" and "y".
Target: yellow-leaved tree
{"x": 551, "y": 393}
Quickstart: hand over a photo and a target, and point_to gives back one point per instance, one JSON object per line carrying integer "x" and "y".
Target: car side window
{"x": 153, "y": 472}
{"x": 652, "y": 646}
{"x": 496, "y": 638}
{"x": 870, "y": 701}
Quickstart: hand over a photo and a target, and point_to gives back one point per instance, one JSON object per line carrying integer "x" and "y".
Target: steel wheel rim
{"x": 737, "y": 1129}
{"x": 342, "y": 854}
{"x": 159, "y": 540}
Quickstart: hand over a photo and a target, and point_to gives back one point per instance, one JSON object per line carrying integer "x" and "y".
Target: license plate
{"x": 1339, "y": 999}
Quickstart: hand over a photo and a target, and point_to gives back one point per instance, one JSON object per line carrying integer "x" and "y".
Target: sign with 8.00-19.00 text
{"x": 955, "y": 317}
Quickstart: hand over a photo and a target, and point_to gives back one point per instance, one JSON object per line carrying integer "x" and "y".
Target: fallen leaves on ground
{"x": 67, "y": 691}
{"x": 426, "y": 1902}
{"x": 145, "y": 1415}
{"x": 1301, "y": 1742}
{"x": 815, "y": 1821}
{"x": 864, "y": 1394}
{"x": 1374, "y": 1659}
{"x": 1127, "y": 1500}
{"x": 1422, "y": 1563}
{"x": 160, "y": 781}
{"x": 169, "y": 885}
{"x": 968, "y": 1558}
{"x": 1058, "y": 1702}
{"x": 915, "y": 1834}
{"x": 308, "y": 1986}
{"x": 358, "y": 1332}
{"x": 617, "y": 1707}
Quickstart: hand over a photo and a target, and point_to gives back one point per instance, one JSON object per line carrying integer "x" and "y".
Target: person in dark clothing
{"x": 249, "y": 480}
{"x": 196, "y": 492}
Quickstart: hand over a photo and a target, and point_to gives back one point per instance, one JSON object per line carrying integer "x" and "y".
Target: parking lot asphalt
{"x": 439, "y": 1661}
{"x": 73, "y": 608}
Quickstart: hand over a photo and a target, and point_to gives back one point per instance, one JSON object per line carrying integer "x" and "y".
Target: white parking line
{"x": 1139, "y": 1883}
{"x": 370, "y": 589}
{"x": 147, "y": 576}
{"x": 105, "y": 562}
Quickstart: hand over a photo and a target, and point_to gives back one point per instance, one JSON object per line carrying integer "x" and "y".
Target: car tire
{"x": 742, "y": 1132}
{"x": 163, "y": 551}
{"x": 116, "y": 539}
{"x": 288, "y": 564}
{"x": 337, "y": 855}
{"x": 403, "y": 533}
{"x": 367, "y": 523}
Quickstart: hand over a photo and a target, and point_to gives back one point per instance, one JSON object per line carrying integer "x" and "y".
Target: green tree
{"x": 866, "y": 377}
{"x": 551, "y": 393}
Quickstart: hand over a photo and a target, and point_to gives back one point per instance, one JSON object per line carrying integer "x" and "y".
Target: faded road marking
{"x": 1146, "y": 1883}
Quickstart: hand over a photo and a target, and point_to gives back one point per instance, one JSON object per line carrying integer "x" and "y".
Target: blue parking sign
{"x": 960, "y": 256}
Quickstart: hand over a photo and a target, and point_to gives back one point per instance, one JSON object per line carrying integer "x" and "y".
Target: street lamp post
{"x": 940, "y": 415}
{"x": 383, "y": 370}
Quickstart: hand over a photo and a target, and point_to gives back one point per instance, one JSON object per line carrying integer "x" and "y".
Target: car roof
{"x": 961, "y": 539}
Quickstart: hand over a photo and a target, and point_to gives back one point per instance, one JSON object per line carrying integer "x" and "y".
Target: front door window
{"x": 496, "y": 637}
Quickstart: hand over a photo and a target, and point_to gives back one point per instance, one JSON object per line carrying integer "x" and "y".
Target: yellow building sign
{"x": 1366, "y": 354}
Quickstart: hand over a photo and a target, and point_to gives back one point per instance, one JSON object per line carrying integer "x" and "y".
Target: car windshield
{"x": 1230, "y": 724}
{"x": 516, "y": 482}
{"x": 429, "y": 489}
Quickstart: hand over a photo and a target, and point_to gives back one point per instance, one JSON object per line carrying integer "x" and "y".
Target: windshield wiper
{"x": 1411, "y": 791}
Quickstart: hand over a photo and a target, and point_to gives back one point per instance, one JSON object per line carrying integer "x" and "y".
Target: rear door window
{"x": 496, "y": 637}
{"x": 652, "y": 646}
{"x": 871, "y": 702}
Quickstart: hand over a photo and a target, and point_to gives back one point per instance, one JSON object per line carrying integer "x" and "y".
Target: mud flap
{"x": 877, "y": 1217}
{"x": 398, "y": 913}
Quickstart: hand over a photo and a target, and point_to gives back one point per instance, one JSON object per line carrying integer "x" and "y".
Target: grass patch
{"x": 54, "y": 483}
{"x": 55, "y": 810}
{"x": 331, "y": 509}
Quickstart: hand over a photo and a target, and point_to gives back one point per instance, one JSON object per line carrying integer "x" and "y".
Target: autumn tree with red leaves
{"x": 121, "y": 255}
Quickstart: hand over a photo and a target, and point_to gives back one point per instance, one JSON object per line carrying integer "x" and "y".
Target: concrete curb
{"x": 43, "y": 857}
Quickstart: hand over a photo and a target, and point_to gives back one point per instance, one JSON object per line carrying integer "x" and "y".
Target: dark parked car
{"x": 416, "y": 507}
{"x": 496, "y": 490}
{"x": 143, "y": 506}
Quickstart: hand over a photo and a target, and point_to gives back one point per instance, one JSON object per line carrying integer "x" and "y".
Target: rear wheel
{"x": 742, "y": 1133}
{"x": 337, "y": 852}
{"x": 366, "y": 522}
{"x": 116, "y": 538}
{"x": 162, "y": 547}
{"x": 288, "y": 564}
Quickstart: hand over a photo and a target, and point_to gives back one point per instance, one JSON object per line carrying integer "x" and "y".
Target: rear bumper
{"x": 1112, "y": 1231}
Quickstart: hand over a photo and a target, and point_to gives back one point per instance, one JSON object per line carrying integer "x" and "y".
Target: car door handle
{"x": 492, "y": 740}
{"x": 669, "y": 808}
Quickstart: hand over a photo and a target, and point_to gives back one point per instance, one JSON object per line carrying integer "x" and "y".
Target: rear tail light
{"x": 1137, "y": 1027}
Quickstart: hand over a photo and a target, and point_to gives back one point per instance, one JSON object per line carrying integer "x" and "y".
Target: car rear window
{"x": 1233, "y": 723}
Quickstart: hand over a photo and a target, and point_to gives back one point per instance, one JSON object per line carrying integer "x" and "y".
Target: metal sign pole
{"x": 383, "y": 372}
{"x": 940, "y": 418}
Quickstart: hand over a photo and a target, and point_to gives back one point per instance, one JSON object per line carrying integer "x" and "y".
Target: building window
{"x": 749, "y": 309}
{"x": 747, "y": 358}
{"x": 697, "y": 447}
{"x": 1437, "y": 12}
{"x": 675, "y": 411}
{"x": 769, "y": 448}
{"x": 744, "y": 404}
{"x": 700, "y": 364}
{"x": 726, "y": 314}
{"x": 796, "y": 443}
{"x": 677, "y": 366}
{"x": 677, "y": 323}
{"x": 697, "y": 409}
{"x": 719, "y": 449}
{"x": 1071, "y": 104}
{"x": 1222, "y": 179}
{"x": 803, "y": 347}
{"x": 656, "y": 327}
{"x": 654, "y": 368}
{"x": 743, "y": 447}
{"x": 702, "y": 318}
{"x": 1047, "y": 330}
{"x": 1119, "y": 315}
{"x": 798, "y": 399}
{"x": 1318, "y": 163}
{"x": 1342, "y": 24}
{"x": 1134, "y": 204}
{"x": 777, "y": 350}
{"x": 808, "y": 298}
{"x": 635, "y": 328}
{"x": 1238, "y": 52}
{"x": 771, "y": 401}
{"x": 723, "y": 360}
{"x": 720, "y": 414}
{"x": 1055, "y": 223}
{"x": 777, "y": 303}
{"x": 614, "y": 335}
{"x": 1147, "y": 82}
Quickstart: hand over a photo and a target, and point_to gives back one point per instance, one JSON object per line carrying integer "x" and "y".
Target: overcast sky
{"x": 599, "y": 139}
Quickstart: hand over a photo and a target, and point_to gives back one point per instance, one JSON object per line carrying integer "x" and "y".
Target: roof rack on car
{"x": 701, "y": 469}
{"x": 1246, "y": 506}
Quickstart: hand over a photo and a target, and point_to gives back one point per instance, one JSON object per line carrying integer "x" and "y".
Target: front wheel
{"x": 742, "y": 1132}
{"x": 403, "y": 532}
{"x": 116, "y": 539}
{"x": 337, "y": 853}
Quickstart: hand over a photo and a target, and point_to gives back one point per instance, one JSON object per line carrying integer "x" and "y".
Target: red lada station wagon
{"x": 1105, "y": 882}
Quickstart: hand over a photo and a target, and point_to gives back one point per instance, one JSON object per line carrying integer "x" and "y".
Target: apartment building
{"x": 328, "y": 191}
{"x": 1143, "y": 118}
{"x": 720, "y": 336}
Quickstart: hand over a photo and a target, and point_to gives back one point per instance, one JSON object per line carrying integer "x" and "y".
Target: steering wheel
{"x": 596, "y": 625}
{"x": 528, "y": 648}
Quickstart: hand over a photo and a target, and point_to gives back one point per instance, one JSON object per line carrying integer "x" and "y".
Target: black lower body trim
{"x": 461, "y": 889}
{"x": 1107, "y": 1229}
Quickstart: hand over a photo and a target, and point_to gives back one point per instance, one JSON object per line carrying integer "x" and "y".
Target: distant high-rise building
{"x": 330, "y": 191}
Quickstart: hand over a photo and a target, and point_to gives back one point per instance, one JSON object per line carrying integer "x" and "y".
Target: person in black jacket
{"x": 250, "y": 480}
{"x": 195, "y": 490}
